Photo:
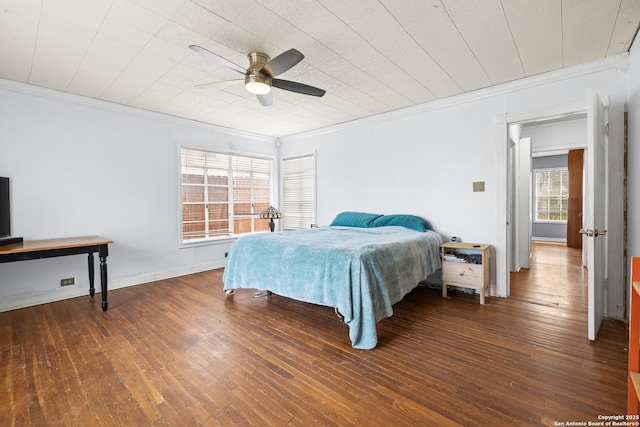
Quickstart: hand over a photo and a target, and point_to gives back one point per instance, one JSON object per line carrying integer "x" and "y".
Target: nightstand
{"x": 465, "y": 265}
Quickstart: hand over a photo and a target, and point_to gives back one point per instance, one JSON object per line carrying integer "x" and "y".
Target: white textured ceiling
{"x": 371, "y": 56}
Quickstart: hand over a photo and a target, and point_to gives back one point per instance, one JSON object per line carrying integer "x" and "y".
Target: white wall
{"x": 82, "y": 167}
{"x": 561, "y": 136}
{"x": 424, "y": 160}
{"x": 412, "y": 164}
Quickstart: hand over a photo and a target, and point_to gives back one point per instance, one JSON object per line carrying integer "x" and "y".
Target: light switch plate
{"x": 478, "y": 186}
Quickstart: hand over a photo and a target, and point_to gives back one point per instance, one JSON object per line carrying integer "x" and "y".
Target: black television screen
{"x": 5, "y": 208}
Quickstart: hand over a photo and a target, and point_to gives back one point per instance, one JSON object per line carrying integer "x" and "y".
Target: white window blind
{"x": 222, "y": 194}
{"x": 298, "y": 192}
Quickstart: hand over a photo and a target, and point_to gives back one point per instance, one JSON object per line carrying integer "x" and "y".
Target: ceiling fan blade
{"x": 297, "y": 87}
{"x": 220, "y": 83}
{"x": 266, "y": 99}
{"x": 217, "y": 58}
{"x": 282, "y": 63}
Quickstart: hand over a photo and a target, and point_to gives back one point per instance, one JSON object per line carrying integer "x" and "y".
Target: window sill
{"x": 207, "y": 242}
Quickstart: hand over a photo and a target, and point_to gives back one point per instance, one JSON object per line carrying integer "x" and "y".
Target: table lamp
{"x": 271, "y": 213}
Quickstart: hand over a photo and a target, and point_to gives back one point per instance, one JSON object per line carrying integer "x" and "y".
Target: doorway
{"x": 613, "y": 283}
{"x": 540, "y": 192}
{"x": 541, "y": 232}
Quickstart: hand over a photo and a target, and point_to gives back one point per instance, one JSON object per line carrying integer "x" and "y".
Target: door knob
{"x": 592, "y": 233}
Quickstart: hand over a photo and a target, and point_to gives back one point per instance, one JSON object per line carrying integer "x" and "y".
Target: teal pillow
{"x": 355, "y": 219}
{"x": 409, "y": 221}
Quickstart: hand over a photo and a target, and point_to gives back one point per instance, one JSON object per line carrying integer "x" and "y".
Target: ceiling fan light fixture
{"x": 257, "y": 85}
{"x": 258, "y": 88}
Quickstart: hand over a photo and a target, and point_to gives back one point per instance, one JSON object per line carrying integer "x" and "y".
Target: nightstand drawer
{"x": 465, "y": 274}
{"x": 462, "y": 273}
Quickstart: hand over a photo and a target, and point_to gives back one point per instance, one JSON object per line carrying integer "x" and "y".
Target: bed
{"x": 361, "y": 271}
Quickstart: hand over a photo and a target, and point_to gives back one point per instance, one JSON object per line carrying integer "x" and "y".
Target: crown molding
{"x": 72, "y": 98}
{"x": 618, "y": 62}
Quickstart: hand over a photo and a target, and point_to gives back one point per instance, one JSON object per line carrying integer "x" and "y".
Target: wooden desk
{"x": 36, "y": 249}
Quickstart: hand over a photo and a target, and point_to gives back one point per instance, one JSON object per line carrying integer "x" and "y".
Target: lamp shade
{"x": 271, "y": 213}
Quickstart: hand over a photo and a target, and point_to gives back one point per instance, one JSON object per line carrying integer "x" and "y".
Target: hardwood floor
{"x": 556, "y": 279}
{"x": 176, "y": 352}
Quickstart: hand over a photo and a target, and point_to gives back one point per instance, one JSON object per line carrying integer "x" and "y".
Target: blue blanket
{"x": 360, "y": 271}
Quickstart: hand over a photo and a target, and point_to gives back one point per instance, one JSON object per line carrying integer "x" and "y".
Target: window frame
{"x": 283, "y": 176}
{"x": 255, "y": 216}
{"x": 534, "y": 201}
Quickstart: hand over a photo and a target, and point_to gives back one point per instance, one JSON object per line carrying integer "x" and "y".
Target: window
{"x": 222, "y": 194}
{"x": 551, "y": 194}
{"x": 298, "y": 191}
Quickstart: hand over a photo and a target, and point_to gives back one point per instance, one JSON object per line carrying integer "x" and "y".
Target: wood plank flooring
{"x": 176, "y": 352}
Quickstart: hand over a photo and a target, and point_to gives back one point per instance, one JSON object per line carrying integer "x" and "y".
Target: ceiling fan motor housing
{"x": 257, "y": 60}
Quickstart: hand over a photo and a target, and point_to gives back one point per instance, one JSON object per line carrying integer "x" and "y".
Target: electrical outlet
{"x": 67, "y": 282}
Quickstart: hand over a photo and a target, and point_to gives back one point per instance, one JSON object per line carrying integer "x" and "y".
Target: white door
{"x": 594, "y": 214}
{"x": 523, "y": 207}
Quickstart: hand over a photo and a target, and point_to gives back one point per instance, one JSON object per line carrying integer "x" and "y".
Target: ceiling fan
{"x": 260, "y": 76}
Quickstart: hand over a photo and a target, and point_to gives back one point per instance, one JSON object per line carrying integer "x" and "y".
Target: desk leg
{"x": 104, "y": 252}
{"x": 92, "y": 290}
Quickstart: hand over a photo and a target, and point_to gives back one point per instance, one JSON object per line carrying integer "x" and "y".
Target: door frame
{"x": 617, "y": 291}
{"x": 523, "y": 203}
{"x": 504, "y": 235}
